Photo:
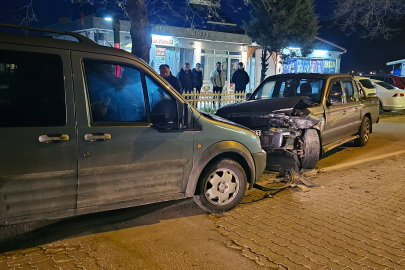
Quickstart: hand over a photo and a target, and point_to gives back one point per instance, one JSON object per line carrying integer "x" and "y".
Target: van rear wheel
{"x": 221, "y": 187}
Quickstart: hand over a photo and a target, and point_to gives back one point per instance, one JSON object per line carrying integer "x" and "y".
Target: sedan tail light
{"x": 398, "y": 95}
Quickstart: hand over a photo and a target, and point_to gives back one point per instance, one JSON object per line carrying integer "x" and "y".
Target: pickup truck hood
{"x": 285, "y": 105}
{"x": 290, "y": 112}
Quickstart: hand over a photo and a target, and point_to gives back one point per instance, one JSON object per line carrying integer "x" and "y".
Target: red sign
{"x": 161, "y": 52}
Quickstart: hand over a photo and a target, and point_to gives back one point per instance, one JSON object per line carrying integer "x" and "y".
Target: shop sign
{"x": 161, "y": 52}
{"x": 162, "y": 40}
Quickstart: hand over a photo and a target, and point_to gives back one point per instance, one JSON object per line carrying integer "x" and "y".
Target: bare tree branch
{"x": 372, "y": 18}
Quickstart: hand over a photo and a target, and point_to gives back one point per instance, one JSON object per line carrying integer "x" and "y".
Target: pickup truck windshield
{"x": 288, "y": 87}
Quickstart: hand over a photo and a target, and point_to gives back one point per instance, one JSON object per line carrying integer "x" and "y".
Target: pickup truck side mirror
{"x": 248, "y": 95}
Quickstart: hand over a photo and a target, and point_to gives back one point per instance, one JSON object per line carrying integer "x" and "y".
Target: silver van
{"x": 87, "y": 128}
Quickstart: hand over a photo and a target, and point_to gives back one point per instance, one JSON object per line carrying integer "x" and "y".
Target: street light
{"x": 108, "y": 19}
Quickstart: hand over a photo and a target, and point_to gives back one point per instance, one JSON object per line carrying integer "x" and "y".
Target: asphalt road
{"x": 179, "y": 235}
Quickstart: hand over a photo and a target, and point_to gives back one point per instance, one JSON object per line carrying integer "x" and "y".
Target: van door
{"x": 38, "y": 165}
{"x": 130, "y": 146}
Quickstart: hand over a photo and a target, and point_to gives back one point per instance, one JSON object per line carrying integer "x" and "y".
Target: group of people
{"x": 187, "y": 79}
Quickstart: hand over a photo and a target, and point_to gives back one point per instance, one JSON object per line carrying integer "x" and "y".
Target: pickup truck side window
{"x": 336, "y": 94}
{"x": 115, "y": 92}
{"x": 163, "y": 107}
{"x": 32, "y": 89}
{"x": 351, "y": 94}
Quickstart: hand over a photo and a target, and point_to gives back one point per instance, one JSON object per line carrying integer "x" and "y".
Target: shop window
{"x": 114, "y": 97}
{"x": 235, "y": 53}
{"x": 221, "y": 52}
{"x": 207, "y": 51}
{"x": 32, "y": 91}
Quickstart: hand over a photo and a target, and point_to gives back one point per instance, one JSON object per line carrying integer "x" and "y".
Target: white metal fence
{"x": 211, "y": 102}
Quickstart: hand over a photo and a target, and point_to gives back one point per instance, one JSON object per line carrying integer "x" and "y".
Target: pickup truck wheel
{"x": 312, "y": 149}
{"x": 221, "y": 187}
{"x": 364, "y": 132}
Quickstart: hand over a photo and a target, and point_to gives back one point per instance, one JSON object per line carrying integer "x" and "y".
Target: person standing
{"x": 198, "y": 77}
{"x": 186, "y": 78}
{"x": 165, "y": 72}
{"x": 217, "y": 79}
{"x": 240, "y": 78}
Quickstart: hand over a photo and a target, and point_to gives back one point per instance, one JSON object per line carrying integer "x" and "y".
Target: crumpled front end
{"x": 282, "y": 130}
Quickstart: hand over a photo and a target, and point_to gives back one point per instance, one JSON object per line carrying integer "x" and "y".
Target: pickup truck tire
{"x": 221, "y": 187}
{"x": 312, "y": 149}
{"x": 364, "y": 132}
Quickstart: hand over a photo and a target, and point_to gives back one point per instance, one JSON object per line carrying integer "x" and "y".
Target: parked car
{"x": 394, "y": 80}
{"x": 87, "y": 128}
{"x": 391, "y": 97}
{"x": 306, "y": 115}
{"x": 366, "y": 84}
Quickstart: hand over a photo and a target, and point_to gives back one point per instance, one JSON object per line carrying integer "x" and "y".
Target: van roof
{"x": 83, "y": 44}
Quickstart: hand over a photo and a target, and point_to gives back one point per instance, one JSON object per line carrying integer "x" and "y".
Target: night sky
{"x": 362, "y": 55}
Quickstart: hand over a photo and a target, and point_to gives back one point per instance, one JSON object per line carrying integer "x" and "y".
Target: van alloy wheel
{"x": 222, "y": 186}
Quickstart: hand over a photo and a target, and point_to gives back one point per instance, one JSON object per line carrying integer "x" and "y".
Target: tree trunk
{"x": 140, "y": 29}
{"x": 264, "y": 64}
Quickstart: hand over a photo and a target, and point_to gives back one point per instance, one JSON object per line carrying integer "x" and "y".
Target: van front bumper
{"x": 260, "y": 163}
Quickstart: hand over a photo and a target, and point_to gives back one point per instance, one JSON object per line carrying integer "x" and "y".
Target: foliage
{"x": 277, "y": 24}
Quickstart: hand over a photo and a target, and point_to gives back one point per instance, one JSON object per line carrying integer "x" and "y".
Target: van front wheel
{"x": 221, "y": 187}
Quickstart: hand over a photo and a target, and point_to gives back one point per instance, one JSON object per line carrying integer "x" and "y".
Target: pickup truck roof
{"x": 312, "y": 75}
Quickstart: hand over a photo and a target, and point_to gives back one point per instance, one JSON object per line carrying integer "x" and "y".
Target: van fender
{"x": 213, "y": 151}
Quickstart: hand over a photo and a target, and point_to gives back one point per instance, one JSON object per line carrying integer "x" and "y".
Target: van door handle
{"x": 96, "y": 137}
{"x": 54, "y": 137}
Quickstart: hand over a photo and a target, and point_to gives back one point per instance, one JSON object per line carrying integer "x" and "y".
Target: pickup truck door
{"x": 336, "y": 120}
{"x": 353, "y": 108}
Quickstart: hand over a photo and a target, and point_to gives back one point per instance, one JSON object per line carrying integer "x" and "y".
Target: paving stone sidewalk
{"x": 354, "y": 220}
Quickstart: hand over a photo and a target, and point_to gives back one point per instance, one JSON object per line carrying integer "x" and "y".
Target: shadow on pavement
{"x": 26, "y": 235}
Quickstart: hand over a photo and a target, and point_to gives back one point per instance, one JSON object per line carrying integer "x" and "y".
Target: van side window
{"x": 32, "y": 89}
{"x": 163, "y": 107}
{"x": 115, "y": 92}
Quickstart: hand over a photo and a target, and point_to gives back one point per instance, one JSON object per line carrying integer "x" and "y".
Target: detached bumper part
{"x": 260, "y": 163}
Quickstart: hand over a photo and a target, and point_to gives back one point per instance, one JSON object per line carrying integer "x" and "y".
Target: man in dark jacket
{"x": 198, "y": 77}
{"x": 240, "y": 78}
{"x": 167, "y": 75}
{"x": 186, "y": 78}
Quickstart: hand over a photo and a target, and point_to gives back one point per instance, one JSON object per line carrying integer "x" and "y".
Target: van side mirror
{"x": 248, "y": 95}
{"x": 184, "y": 116}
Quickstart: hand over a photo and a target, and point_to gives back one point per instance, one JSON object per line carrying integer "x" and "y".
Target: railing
{"x": 211, "y": 102}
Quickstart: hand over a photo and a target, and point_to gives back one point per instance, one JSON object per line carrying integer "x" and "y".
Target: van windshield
{"x": 288, "y": 87}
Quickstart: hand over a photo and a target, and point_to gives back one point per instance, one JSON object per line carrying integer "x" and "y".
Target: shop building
{"x": 176, "y": 46}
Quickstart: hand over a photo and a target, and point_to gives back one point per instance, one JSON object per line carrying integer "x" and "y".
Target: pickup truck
{"x": 304, "y": 116}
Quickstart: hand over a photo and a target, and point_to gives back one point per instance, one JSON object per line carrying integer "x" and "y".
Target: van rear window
{"x": 32, "y": 89}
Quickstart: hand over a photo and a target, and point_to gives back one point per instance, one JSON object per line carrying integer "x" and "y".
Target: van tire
{"x": 206, "y": 193}
{"x": 364, "y": 132}
{"x": 312, "y": 149}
